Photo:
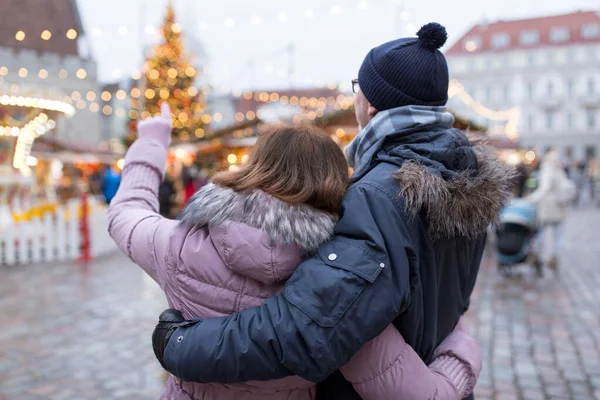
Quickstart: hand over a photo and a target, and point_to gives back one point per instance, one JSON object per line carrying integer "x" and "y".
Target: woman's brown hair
{"x": 295, "y": 163}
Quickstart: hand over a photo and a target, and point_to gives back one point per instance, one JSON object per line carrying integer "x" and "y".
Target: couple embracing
{"x": 289, "y": 279}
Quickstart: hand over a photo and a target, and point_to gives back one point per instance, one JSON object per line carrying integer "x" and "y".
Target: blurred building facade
{"x": 44, "y": 53}
{"x": 547, "y": 67}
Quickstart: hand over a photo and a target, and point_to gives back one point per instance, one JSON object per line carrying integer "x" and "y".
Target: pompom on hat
{"x": 407, "y": 71}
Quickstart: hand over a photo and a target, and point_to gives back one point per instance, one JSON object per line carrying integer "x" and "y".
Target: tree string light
{"x": 511, "y": 116}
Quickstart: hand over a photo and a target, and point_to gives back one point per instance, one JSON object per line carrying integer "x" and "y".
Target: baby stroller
{"x": 515, "y": 235}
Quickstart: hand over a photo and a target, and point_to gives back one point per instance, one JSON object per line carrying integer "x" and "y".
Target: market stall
{"x": 25, "y": 115}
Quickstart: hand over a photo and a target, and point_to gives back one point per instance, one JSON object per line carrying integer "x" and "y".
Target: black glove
{"x": 168, "y": 322}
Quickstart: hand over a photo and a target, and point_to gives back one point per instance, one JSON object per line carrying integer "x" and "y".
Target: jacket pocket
{"x": 325, "y": 286}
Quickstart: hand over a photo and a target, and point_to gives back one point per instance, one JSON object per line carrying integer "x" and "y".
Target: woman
{"x": 552, "y": 198}
{"x": 238, "y": 241}
{"x": 189, "y": 184}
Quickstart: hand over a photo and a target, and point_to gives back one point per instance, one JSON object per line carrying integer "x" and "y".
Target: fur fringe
{"x": 285, "y": 223}
{"x": 463, "y": 206}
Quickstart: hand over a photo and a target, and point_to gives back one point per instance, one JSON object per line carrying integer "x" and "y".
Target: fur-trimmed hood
{"x": 464, "y": 203}
{"x": 459, "y": 185}
{"x": 285, "y": 223}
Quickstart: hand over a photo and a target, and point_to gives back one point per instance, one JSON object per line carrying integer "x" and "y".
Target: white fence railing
{"x": 56, "y": 236}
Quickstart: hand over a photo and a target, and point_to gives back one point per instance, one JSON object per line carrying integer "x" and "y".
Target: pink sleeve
{"x": 134, "y": 222}
{"x": 388, "y": 368}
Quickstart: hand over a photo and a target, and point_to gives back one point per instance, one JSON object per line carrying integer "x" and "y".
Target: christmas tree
{"x": 168, "y": 76}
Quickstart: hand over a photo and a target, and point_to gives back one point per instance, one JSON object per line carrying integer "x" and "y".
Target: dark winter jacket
{"x": 406, "y": 249}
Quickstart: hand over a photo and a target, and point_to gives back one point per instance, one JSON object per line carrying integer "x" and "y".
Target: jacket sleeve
{"x": 134, "y": 222}
{"x": 388, "y": 368}
{"x": 335, "y": 302}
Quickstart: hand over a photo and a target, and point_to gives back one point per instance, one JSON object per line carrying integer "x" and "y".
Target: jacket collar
{"x": 390, "y": 124}
{"x": 284, "y": 223}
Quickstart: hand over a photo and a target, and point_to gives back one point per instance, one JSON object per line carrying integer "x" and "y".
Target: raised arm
{"x": 388, "y": 368}
{"x": 134, "y": 222}
{"x": 334, "y": 303}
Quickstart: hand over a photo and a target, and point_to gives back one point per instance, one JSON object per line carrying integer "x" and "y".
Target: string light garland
{"x": 33, "y": 102}
{"x": 35, "y": 127}
{"x": 510, "y": 116}
{"x": 75, "y": 100}
{"x": 81, "y": 73}
{"x": 229, "y": 22}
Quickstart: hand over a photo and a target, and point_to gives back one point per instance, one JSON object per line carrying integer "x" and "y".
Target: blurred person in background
{"x": 189, "y": 178}
{"x": 596, "y": 181}
{"x": 591, "y": 175}
{"x": 521, "y": 180}
{"x": 552, "y": 196}
{"x": 96, "y": 181}
{"x": 533, "y": 178}
{"x": 579, "y": 180}
{"x": 110, "y": 184}
{"x": 202, "y": 178}
{"x": 166, "y": 192}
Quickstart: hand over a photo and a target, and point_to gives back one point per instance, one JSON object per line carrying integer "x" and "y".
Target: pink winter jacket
{"x": 231, "y": 251}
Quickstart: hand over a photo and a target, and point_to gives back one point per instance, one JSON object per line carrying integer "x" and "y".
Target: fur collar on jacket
{"x": 285, "y": 223}
{"x": 464, "y": 205}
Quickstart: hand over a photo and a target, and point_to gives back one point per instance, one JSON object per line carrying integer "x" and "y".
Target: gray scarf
{"x": 369, "y": 141}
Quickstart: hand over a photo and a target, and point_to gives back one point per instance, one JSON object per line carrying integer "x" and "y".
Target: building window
{"x": 529, "y": 90}
{"x": 570, "y": 88}
{"x": 480, "y": 63}
{"x": 529, "y": 38}
{"x": 550, "y": 57}
{"x": 530, "y": 122}
{"x": 500, "y": 40}
{"x": 550, "y": 119}
{"x": 559, "y": 34}
{"x": 550, "y": 89}
{"x": 472, "y": 44}
{"x": 591, "y": 86}
{"x": 570, "y": 120}
{"x": 471, "y": 65}
{"x": 506, "y": 93}
{"x": 590, "y": 31}
{"x": 530, "y": 59}
{"x": 571, "y": 56}
{"x": 591, "y": 118}
{"x": 489, "y": 63}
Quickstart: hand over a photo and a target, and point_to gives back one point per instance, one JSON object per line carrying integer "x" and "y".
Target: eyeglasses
{"x": 355, "y": 86}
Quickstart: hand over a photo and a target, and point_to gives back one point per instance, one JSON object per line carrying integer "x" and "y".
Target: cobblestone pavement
{"x": 541, "y": 338}
{"x": 74, "y": 332}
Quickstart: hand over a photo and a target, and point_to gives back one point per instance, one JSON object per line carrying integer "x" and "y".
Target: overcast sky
{"x": 246, "y": 40}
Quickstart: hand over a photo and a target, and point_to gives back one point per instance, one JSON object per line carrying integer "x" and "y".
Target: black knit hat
{"x": 408, "y": 71}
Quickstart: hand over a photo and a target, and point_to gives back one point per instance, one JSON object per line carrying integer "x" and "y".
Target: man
{"x": 406, "y": 249}
{"x": 166, "y": 191}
